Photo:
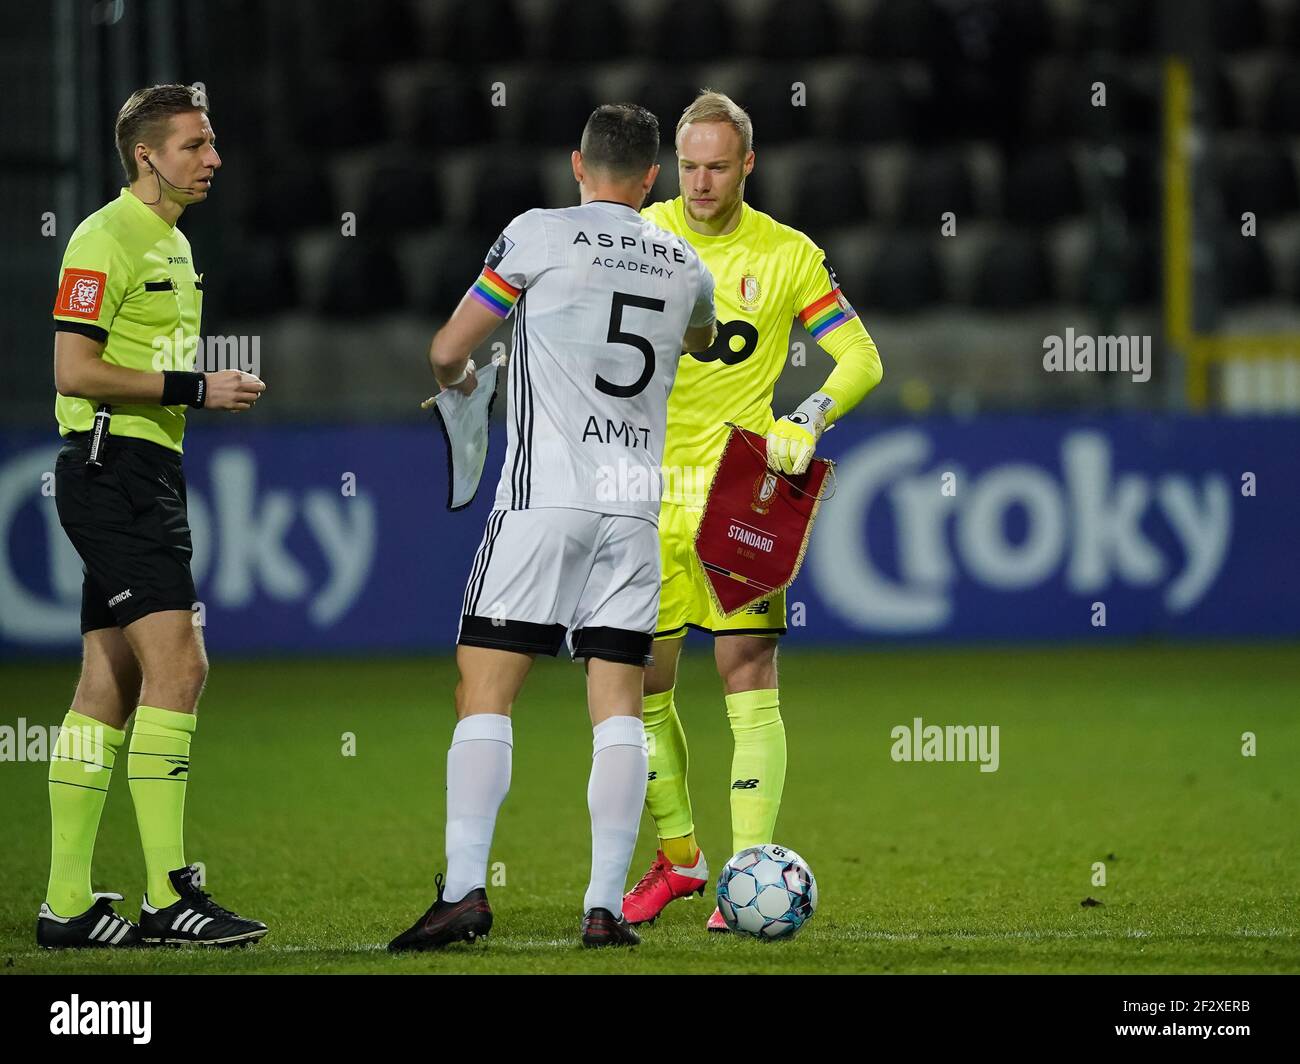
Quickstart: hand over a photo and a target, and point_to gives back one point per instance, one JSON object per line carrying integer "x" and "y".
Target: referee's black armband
{"x": 183, "y": 389}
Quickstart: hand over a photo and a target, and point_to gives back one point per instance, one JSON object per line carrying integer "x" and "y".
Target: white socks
{"x": 478, "y": 777}
{"x": 615, "y": 796}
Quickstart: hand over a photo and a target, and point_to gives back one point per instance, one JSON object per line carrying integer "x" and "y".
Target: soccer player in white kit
{"x": 604, "y": 305}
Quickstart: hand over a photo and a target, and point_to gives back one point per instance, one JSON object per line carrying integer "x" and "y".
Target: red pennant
{"x": 756, "y": 524}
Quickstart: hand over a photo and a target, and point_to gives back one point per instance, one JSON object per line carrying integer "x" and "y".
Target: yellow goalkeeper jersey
{"x": 765, "y": 276}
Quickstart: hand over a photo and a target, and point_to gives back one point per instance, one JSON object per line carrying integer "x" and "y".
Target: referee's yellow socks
{"x": 757, "y": 766}
{"x": 81, "y": 765}
{"x": 158, "y": 768}
{"x": 666, "y": 794}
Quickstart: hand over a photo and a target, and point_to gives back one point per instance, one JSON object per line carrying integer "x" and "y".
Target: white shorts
{"x": 542, "y": 574}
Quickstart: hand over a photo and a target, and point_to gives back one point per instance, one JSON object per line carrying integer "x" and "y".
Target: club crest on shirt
{"x": 764, "y": 489}
{"x": 749, "y": 291}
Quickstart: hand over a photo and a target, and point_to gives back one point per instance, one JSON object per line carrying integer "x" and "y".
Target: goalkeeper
{"x": 765, "y": 274}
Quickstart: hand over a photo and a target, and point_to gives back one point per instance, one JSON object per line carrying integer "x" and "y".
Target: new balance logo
{"x": 744, "y": 785}
{"x": 759, "y": 609}
{"x": 182, "y": 765}
{"x": 652, "y": 777}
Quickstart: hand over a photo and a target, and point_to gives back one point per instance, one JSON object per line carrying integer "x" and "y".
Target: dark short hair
{"x": 145, "y": 116}
{"x": 621, "y": 139}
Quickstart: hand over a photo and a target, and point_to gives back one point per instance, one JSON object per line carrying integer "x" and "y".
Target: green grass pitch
{"x": 1130, "y": 756}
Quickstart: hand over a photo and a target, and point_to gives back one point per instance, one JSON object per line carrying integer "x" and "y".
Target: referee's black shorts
{"x": 127, "y": 520}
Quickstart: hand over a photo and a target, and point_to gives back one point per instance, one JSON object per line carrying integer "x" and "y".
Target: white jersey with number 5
{"x": 601, "y": 298}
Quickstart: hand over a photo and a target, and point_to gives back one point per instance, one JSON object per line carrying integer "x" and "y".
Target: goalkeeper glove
{"x": 792, "y": 440}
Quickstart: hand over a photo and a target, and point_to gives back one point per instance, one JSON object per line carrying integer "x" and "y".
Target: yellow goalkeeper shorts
{"x": 684, "y": 599}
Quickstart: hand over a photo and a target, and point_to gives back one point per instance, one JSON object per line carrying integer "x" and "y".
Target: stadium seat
{"x": 400, "y": 196}
{"x": 1242, "y": 268}
{"x": 936, "y": 183}
{"x": 1116, "y": 25}
{"x": 903, "y": 29}
{"x": 1280, "y": 112}
{"x": 1143, "y": 100}
{"x": 502, "y": 188}
{"x": 1142, "y": 267}
{"x": 1140, "y": 183}
{"x": 585, "y": 31}
{"x": 1226, "y": 106}
{"x": 481, "y": 31}
{"x": 373, "y": 33}
{"x": 875, "y": 105}
{"x": 363, "y": 278}
{"x": 258, "y": 280}
{"x": 979, "y": 61}
{"x": 811, "y": 29}
{"x": 334, "y": 114}
{"x": 827, "y": 192}
{"x": 1042, "y": 187}
{"x": 903, "y": 276}
{"x": 1060, "y": 106}
{"x": 289, "y": 196}
{"x": 1238, "y": 25}
{"x": 1013, "y": 273}
{"x": 767, "y": 97}
{"x": 1288, "y": 32}
{"x": 553, "y": 110}
{"x": 1260, "y": 178}
{"x": 666, "y": 94}
{"x": 1126, "y": 276}
{"x": 758, "y": 196}
{"x": 667, "y": 41}
{"x": 451, "y": 114}
{"x": 458, "y": 262}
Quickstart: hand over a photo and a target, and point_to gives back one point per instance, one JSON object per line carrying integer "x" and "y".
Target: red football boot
{"x": 716, "y": 922}
{"x": 663, "y": 883}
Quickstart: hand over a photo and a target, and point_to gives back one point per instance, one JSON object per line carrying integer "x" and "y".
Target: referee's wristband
{"x": 183, "y": 389}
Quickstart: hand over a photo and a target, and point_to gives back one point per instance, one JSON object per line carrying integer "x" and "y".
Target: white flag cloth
{"x": 464, "y": 421}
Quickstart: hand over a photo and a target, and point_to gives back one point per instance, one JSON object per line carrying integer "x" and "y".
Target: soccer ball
{"x": 767, "y": 892}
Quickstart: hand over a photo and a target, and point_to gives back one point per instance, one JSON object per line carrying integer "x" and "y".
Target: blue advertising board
{"x": 1018, "y": 528}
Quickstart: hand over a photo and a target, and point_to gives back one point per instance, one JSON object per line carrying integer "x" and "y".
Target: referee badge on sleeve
{"x": 81, "y": 293}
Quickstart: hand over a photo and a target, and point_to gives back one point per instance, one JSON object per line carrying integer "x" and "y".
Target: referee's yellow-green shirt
{"x": 128, "y": 279}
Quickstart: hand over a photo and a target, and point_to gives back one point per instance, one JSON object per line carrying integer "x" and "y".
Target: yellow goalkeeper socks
{"x": 666, "y": 794}
{"x": 682, "y": 851}
{"x": 757, "y": 766}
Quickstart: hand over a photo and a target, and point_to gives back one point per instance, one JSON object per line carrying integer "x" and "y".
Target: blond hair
{"x": 710, "y": 106}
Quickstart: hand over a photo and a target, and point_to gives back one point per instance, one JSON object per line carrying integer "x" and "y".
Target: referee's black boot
{"x": 99, "y": 927}
{"x": 195, "y": 919}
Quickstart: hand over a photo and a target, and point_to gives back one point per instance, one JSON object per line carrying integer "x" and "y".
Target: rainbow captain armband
{"x": 826, "y": 314}
{"x": 495, "y": 293}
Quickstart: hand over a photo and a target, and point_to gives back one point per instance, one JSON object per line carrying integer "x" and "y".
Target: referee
{"x": 128, "y": 293}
